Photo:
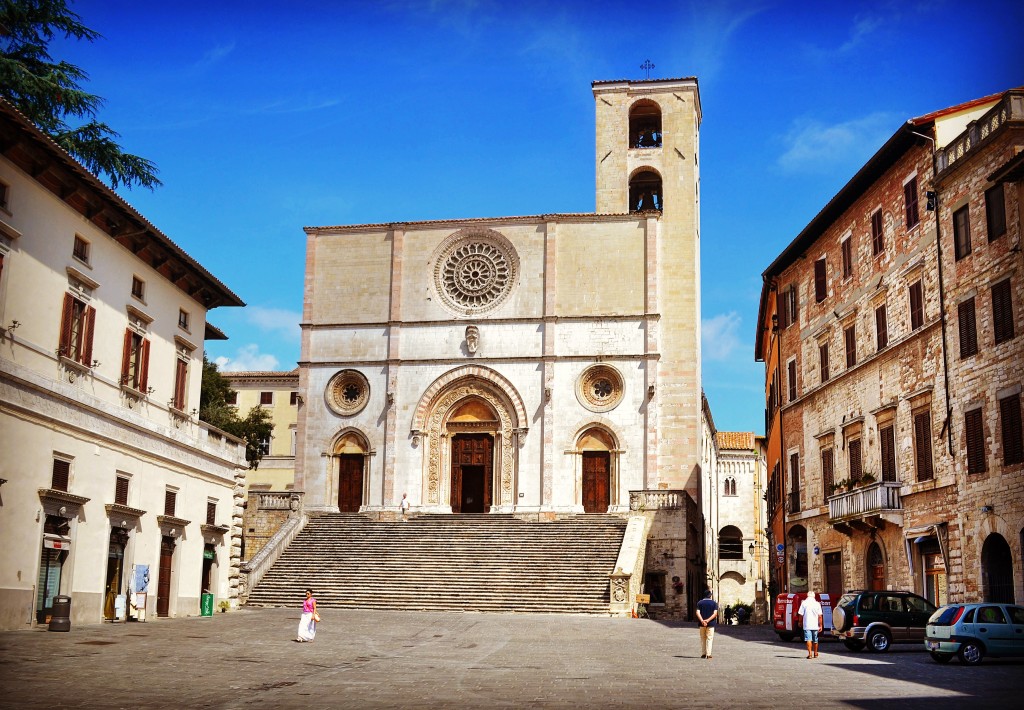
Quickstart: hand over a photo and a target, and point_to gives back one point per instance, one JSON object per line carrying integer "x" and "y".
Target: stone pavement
{"x": 377, "y": 659}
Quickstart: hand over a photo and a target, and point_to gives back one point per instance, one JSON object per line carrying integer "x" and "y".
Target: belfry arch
{"x": 469, "y": 422}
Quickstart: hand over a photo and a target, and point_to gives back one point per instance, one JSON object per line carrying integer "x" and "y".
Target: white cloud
{"x": 812, "y": 146}
{"x": 248, "y": 357}
{"x": 213, "y": 56}
{"x": 719, "y": 336}
{"x": 275, "y": 320}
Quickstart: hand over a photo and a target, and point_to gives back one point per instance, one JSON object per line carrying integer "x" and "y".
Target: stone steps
{"x": 448, "y": 563}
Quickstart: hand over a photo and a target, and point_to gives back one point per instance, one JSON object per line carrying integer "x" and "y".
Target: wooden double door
{"x": 472, "y": 472}
{"x": 596, "y": 481}
{"x": 350, "y": 482}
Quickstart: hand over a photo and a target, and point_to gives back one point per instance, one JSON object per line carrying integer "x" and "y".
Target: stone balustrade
{"x": 1010, "y": 108}
{"x": 656, "y": 500}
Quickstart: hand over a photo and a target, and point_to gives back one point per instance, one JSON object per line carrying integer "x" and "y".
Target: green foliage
{"x": 49, "y": 92}
{"x": 215, "y": 410}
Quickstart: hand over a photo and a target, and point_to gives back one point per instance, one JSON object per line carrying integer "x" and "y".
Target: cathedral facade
{"x": 539, "y": 365}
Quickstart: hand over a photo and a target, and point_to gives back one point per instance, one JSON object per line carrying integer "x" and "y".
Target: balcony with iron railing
{"x": 866, "y": 507}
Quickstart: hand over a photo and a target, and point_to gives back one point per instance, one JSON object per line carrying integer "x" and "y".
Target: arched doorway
{"x": 350, "y": 452}
{"x": 997, "y": 570}
{"x": 472, "y": 427}
{"x": 875, "y": 568}
{"x": 597, "y": 479}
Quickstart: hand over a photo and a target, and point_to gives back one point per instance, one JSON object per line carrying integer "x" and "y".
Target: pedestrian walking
{"x": 404, "y": 505}
{"x": 813, "y": 622}
{"x": 307, "y": 622}
{"x": 707, "y": 615}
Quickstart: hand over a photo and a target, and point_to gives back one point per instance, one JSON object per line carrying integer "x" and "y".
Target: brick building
{"x": 872, "y": 409}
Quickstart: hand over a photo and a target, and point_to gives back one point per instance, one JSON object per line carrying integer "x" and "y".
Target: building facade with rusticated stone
{"x": 898, "y": 360}
{"x": 540, "y": 365}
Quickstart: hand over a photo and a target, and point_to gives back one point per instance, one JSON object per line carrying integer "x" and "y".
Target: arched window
{"x": 730, "y": 543}
{"x": 645, "y": 192}
{"x": 875, "y": 568}
{"x": 645, "y": 125}
{"x": 730, "y": 486}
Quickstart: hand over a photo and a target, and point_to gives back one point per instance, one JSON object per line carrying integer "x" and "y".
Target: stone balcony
{"x": 866, "y": 508}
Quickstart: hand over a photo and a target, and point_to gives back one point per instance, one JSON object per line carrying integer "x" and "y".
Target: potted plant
{"x": 837, "y": 486}
{"x": 224, "y": 605}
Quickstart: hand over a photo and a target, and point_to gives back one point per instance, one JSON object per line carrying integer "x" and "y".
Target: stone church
{"x": 542, "y": 365}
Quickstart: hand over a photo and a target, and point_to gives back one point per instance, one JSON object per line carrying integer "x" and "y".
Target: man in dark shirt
{"x": 707, "y": 615}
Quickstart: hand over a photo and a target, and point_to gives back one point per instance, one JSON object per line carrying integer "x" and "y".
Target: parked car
{"x": 877, "y": 620}
{"x": 787, "y": 623}
{"x": 973, "y": 631}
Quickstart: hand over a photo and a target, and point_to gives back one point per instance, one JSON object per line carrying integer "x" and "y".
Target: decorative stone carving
{"x": 472, "y": 339}
{"x": 347, "y": 392}
{"x": 600, "y": 388}
{"x": 474, "y": 271}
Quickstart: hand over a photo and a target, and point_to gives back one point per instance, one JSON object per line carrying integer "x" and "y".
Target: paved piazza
{"x": 374, "y": 659}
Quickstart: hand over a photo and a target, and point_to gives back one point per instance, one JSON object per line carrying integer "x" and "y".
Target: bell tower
{"x": 647, "y": 162}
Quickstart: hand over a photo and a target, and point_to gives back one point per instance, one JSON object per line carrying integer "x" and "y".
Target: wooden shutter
{"x": 61, "y": 475}
{"x": 827, "y": 472}
{"x": 850, "y": 335}
{"x": 887, "y": 438}
{"x": 916, "y": 305}
{"x": 66, "y": 318}
{"x": 856, "y": 466}
{"x": 820, "y": 286}
{"x": 881, "y": 327}
{"x": 794, "y": 476}
{"x": 121, "y": 491}
{"x": 144, "y": 365}
{"x": 968, "y": 328}
{"x": 877, "y": 239}
{"x": 791, "y": 376}
{"x": 975, "y": 433}
{"x": 211, "y": 512}
{"x": 180, "y": 375}
{"x": 170, "y": 501}
{"x": 1013, "y": 438}
{"x": 823, "y": 361}
{"x": 847, "y": 258}
{"x": 910, "y": 200}
{"x": 1002, "y": 312}
{"x": 126, "y": 358}
{"x": 961, "y": 233}
{"x": 923, "y": 445}
{"x": 90, "y": 325}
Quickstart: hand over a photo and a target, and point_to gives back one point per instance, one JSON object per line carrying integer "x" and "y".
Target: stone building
{"x": 105, "y": 467}
{"x": 736, "y": 517}
{"x": 866, "y": 392}
{"x": 505, "y": 365}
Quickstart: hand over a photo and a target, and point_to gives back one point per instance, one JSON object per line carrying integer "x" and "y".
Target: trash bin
{"x": 206, "y": 605}
{"x": 60, "y": 619}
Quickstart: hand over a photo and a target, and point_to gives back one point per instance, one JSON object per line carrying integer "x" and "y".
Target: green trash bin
{"x": 206, "y": 605}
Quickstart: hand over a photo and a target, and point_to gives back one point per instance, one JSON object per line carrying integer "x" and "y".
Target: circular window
{"x": 475, "y": 271}
{"x": 347, "y": 392}
{"x": 599, "y": 388}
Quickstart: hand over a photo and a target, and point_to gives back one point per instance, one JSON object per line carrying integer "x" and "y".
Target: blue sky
{"x": 267, "y": 117}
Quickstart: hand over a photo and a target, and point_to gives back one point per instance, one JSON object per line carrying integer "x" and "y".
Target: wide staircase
{"x": 494, "y": 563}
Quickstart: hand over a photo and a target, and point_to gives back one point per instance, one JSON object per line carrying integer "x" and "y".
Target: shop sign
{"x": 57, "y": 544}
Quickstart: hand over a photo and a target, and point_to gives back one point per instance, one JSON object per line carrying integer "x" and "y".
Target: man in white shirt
{"x": 811, "y": 617}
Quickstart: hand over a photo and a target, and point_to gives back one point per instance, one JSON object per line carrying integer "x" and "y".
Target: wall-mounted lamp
{"x": 391, "y": 398}
{"x": 775, "y": 322}
{"x": 95, "y": 363}
{"x": 193, "y": 412}
{"x": 650, "y": 391}
{"x": 547, "y": 394}
{"x": 13, "y": 326}
{"x": 151, "y": 390}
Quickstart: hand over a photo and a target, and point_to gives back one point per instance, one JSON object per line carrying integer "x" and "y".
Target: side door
{"x": 892, "y": 610}
{"x": 994, "y": 629}
{"x": 1017, "y": 621}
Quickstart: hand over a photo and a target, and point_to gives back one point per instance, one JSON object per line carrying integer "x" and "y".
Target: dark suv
{"x": 880, "y": 619}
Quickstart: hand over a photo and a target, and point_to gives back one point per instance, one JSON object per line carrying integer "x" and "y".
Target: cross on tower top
{"x": 647, "y": 66}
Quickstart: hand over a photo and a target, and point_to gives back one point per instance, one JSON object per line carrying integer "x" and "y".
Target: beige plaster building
{"x": 105, "y": 468}
{"x": 278, "y": 393}
{"x": 506, "y": 365}
{"x": 897, "y": 368}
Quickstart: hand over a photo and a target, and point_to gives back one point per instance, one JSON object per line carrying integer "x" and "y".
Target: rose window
{"x": 600, "y": 388}
{"x": 347, "y": 392}
{"x": 475, "y": 271}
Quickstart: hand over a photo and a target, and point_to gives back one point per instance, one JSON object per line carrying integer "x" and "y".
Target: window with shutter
{"x": 923, "y": 445}
{"x": 135, "y": 361}
{"x": 995, "y": 212}
{"x": 121, "y": 491}
{"x": 877, "y": 236}
{"x": 823, "y": 361}
{"x": 827, "y": 473}
{"x": 794, "y": 477}
{"x": 916, "y": 305}
{"x": 76, "y": 330}
{"x": 61, "y": 475}
{"x": 968, "y": 329}
{"x": 910, "y": 200}
{"x": 211, "y": 512}
{"x": 887, "y": 439}
{"x": 856, "y": 465}
{"x": 1010, "y": 424}
{"x": 820, "y": 285}
{"x": 180, "y": 381}
{"x": 847, "y": 258}
{"x": 850, "y": 336}
{"x": 975, "y": 434}
{"x": 881, "y": 327}
{"x": 1002, "y": 312}
{"x": 961, "y": 233}
{"x": 794, "y": 304}
{"x": 791, "y": 378}
{"x": 266, "y": 398}
{"x": 170, "y": 501}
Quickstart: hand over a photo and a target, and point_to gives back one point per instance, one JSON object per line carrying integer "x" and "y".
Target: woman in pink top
{"x": 307, "y": 622}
